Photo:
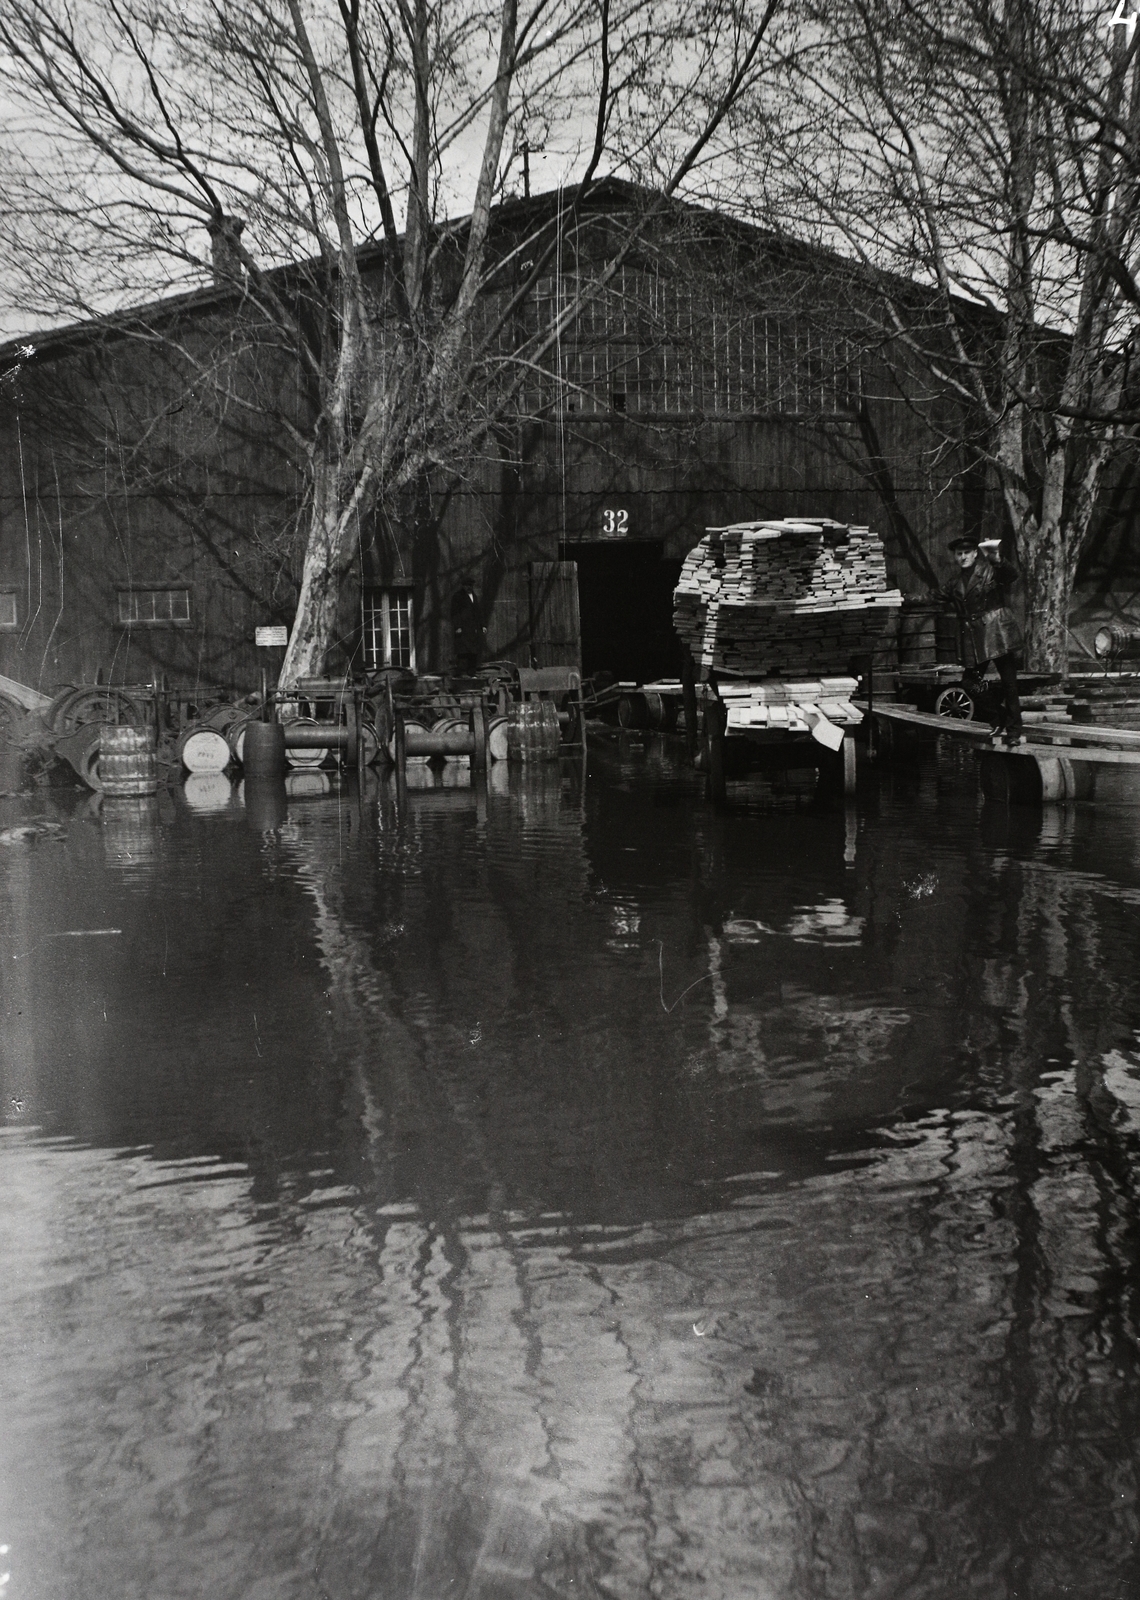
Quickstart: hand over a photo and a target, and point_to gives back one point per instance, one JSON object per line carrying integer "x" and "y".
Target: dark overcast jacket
{"x": 980, "y": 595}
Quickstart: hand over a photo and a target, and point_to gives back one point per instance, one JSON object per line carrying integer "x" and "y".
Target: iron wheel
{"x": 95, "y": 704}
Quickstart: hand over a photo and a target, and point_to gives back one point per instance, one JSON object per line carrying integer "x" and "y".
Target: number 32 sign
{"x": 615, "y": 524}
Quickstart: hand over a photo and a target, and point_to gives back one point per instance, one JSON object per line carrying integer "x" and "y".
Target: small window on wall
{"x": 388, "y": 628}
{"x": 149, "y": 608}
{"x": 7, "y": 608}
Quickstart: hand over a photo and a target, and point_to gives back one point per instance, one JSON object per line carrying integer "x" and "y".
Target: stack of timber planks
{"x": 790, "y": 597}
{"x": 786, "y": 706}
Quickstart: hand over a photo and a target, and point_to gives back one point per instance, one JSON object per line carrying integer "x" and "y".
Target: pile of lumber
{"x": 793, "y": 597}
{"x": 786, "y": 705}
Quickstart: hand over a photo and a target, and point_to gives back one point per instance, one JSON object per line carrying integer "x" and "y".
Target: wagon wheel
{"x": 98, "y": 704}
{"x": 956, "y": 702}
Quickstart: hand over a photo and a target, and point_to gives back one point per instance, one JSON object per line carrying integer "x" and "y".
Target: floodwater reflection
{"x": 547, "y": 1191}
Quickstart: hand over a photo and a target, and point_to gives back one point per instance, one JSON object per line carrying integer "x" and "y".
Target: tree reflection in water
{"x": 625, "y": 1200}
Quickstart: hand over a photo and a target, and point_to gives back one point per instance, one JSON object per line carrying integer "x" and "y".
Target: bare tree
{"x": 322, "y": 149}
{"x": 980, "y": 159}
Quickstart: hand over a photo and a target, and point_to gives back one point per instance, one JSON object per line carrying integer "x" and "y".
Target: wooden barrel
{"x": 235, "y": 734}
{"x": 532, "y": 732}
{"x": 497, "y": 738}
{"x": 127, "y": 764}
{"x": 204, "y": 750}
{"x": 1117, "y": 642}
{"x": 633, "y": 712}
{"x": 645, "y": 708}
{"x": 264, "y": 750}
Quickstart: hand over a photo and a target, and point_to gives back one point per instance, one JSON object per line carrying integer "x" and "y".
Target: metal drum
{"x": 264, "y": 750}
{"x": 204, "y": 750}
{"x": 1117, "y": 642}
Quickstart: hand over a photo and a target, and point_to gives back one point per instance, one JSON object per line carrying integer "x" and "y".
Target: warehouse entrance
{"x": 625, "y": 600}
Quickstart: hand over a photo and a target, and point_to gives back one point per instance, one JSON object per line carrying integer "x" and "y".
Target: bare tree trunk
{"x": 1049, "y": 590}
{"x": 328, "y": 559}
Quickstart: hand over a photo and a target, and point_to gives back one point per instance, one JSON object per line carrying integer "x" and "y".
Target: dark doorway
{"x": 625, "y": 599}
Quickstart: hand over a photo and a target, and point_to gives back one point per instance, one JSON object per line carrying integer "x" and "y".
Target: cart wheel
{"x": 955, "y": 702}
{"x": 369, "y": 741}
{"x": 97, "y": 704}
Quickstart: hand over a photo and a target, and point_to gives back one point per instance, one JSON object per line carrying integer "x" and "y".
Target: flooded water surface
{"x": 570, "y": 1191}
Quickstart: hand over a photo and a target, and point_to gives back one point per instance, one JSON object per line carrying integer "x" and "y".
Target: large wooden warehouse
{"x": 150, "y": 508}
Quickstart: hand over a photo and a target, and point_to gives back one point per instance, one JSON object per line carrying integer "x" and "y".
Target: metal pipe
{"x": 321, "y": 737}
{"x": 448, "y": 742}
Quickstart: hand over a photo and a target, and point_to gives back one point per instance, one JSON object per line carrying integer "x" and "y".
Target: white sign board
{"x": 278, "y": 636}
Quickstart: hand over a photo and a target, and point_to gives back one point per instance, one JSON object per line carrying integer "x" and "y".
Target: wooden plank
{"x": 981, "y": 731}
{"x": 927, "y": 719}
{"x": 555, "y": 629}
{"x": 1089, "y": 733}
{"x": 1092, "y": 755}
{"x": 30, "y": 699}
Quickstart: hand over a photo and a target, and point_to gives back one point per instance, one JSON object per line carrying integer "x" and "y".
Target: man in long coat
{"x": 980, "y": 595}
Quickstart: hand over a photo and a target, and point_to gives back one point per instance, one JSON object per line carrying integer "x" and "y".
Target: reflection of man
{"x": 980, "y": 595}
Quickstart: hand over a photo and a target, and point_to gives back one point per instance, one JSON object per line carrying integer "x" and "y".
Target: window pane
{"x": 372, "y": 629}
{"x": 154, "y": 605}
{"x": 8, "y": 609}
{"x": 400, "y": 643}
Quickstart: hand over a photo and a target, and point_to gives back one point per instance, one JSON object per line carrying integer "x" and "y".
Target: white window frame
{"x": 129, "y": 607}
{"x": 384, "y": 606}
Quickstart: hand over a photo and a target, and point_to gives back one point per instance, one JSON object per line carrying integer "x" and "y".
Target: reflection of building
{"x": 719, "y": 375}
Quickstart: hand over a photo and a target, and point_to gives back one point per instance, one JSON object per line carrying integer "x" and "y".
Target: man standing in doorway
{"x": 980, "y": 596}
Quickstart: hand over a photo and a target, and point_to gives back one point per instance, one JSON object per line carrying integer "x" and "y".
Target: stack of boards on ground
{"x": 794, "y": 597}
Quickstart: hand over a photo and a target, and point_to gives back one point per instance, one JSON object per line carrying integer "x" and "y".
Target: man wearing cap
{"x": 979, "y": 594}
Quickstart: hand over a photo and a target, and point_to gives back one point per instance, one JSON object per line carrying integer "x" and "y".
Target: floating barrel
{"x": 235, "y": 735}
{"x": 645, "y": 708}
{"x": 420, "y": 727}
{"x": 532, "y": 732}
{"x": 497, "y": 738}
{"x": 264, "y": 751}
{"x": 204, "y": 750}
{"x": 307, "y": 755}
{"x": 1029, "y": 779}
{"x": 1117, "y": 642}
{"x": 127, "y": 764}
